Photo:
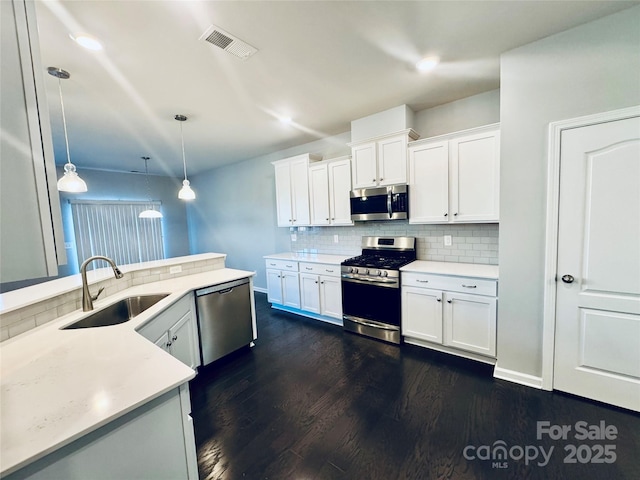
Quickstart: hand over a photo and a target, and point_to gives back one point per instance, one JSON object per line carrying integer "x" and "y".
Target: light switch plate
{"x": 447, "y": 240}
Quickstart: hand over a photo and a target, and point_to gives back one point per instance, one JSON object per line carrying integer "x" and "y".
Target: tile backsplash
{"x": 470, "y": 243}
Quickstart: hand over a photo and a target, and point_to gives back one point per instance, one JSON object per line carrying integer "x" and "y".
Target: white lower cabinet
{"x": 282, "y": 283}
{"x": 175, "y": 331}
{"x": 437, "y": 310}
{"x": 156, "y": 440}
{"x": 320, "y": 289}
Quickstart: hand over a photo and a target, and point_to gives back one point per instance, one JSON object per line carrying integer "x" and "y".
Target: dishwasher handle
{"x": 221, "y": 288}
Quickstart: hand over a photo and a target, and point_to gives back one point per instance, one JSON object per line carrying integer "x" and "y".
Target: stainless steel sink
{"x": 119, "y": 312}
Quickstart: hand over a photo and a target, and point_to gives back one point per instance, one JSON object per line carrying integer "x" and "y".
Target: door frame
{"x": 552, "y": 220}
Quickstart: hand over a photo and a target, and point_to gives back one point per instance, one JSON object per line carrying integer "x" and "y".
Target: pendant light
{"x": 70, "y": 181}
{"x": 150, "y": 212}
{"x": 185, "y": 193}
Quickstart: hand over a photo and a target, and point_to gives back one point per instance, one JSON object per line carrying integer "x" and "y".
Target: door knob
{"x": 567, "y": 278}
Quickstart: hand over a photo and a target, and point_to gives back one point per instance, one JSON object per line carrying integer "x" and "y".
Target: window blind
{"x": 113, "y": 229}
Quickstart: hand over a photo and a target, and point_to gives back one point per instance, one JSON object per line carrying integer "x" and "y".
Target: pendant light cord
{"x": 64, "y": 121}
{"x": 146, "y": 175}
{"x": 184, "y": 161}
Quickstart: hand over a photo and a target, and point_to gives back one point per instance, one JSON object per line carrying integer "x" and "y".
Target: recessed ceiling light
{"x": 87, "y": 41}
{"x": 427, "y": 64}
{"x": 285, "y": 120}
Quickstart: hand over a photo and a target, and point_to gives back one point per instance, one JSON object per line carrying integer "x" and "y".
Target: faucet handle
{"x": 95, "y": 297}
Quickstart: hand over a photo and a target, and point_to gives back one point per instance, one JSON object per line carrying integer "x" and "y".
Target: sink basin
{"x": 119, "y": 312}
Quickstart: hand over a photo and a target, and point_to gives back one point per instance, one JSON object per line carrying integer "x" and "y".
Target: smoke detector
{"x": 227, "y": 42}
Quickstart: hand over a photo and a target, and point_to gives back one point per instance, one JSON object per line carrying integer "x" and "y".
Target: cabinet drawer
{"x": 320, "y": 269}
{"x": 476, "y": 286}
{"x": 158, "y": 325}
{"x": 282, "y": 265}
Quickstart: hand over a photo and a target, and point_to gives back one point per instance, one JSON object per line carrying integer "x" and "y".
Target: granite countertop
{"x": 58, "y": 385}
{"x": 474, "y": 270}
{"x": 310, "y": 257}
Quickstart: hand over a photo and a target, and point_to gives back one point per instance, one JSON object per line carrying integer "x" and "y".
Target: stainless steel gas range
{"x": 371, "y": 299}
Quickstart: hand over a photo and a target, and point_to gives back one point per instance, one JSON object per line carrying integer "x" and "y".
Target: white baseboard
{"x": 517, "y": 377}
{"x": 259, "y": 289}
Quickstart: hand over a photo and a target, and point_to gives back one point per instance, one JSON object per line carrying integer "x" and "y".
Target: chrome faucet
{"x": 87, "y": 298}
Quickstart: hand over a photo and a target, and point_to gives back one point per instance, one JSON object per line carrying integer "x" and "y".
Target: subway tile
{"x": 22, "y": 326}
{"x": 4, "y": 334}
{"x": 47, "y": 316}
{"x": 10, "y": 318}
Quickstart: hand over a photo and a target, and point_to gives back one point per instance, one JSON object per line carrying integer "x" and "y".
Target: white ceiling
{"x": 323, "y": 63}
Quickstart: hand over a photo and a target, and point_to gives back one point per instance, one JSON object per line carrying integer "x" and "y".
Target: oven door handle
{"x": 389, "y": 205}
{"x": 371, "y": 323}
{"x": 370, "y": 281}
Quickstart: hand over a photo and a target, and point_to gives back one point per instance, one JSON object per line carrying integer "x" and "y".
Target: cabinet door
{"x": 274, "y": 287}
{"x": 181, "y": 338}
{"x": 339, "y": 174}
{"x": 331, "y": 297}
{"x": 429, "y": 183}
{"x": 300, "y": 192}
{"x": 290, "y": 289}
{"x": 163, "y": 342}
{"x": 310, "y": 292}
{"x": 470, "y": 323}
{"x": 422, "y": 314}
{"x": 392, "y": 160}
{"x": 364, "y": 165}
{"x": 319, "y": 194}
{"x": 475, "y": 177}
{"x": 284, "y": 195}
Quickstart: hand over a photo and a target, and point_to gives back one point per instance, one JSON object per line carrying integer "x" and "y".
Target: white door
{"x": 319, "y": 194}
{"x": 290, "y": 289}
{"x": 422, "y": 313}
{"x": 392, "y": 160}
{"x": 429, "y": 183}
{"x": 309, "y": 292}
{"x": 181, "y": 337}
{"x": 331, "y": 296}
{"x": 364, "y": 165}
{"x": 283, "y": 194}
{"x": 300, "y": 192}
{"x": 597, "y": 343}
{"x": 274, "y": 287}
{"x": 470, "y": 323}
{"x": 339, "y": 188}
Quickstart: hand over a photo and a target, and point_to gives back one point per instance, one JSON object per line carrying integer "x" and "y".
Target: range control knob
{"x": 353, "y": 270}
{"x": 385, "y": 273}
{"x": 366, "y": 271}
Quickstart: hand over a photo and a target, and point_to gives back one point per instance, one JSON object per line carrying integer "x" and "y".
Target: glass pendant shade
{"x": 71, "y": 181}
{"x": 151, "y": 213}
{"x": 186, "y": 193}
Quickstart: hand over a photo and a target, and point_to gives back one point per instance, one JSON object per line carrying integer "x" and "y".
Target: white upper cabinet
{"x": 329, "y": 188}
{"x": 292, "y": 190}
{"x": 381, "y": 161}
{"x": 455, "y": 178}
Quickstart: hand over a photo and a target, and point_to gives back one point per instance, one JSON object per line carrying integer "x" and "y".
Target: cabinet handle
{"x": 455, "y": 214}
{"x": 168, "y": 344}
{"x": 272, "y": 264}
{"x": 332, "y": 218}
{"x": 469, "y": 286}
{"x": 438, "y": 299}
{"x": 174, "y": 338}
{"x": 373, "y": 180}
{"x": 449, "y": 301}
{"x": 422, "y": 281}
{"x": 307, "y": 268}
{"x": 381, "y": 179}
{"x": 316, "y": 282}
{"x": 446, "y": 214}
{"x": 326, "y": 219}
{"x": 328, "y": 271}
{"x": 289, "y": 266}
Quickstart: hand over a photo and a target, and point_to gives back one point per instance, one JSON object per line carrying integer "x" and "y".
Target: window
{"x": 113, "y": 229}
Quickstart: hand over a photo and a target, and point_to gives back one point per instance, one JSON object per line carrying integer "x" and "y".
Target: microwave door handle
{"x": 389, "y": 207}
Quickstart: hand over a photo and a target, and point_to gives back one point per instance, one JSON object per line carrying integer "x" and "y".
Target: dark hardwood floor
{"x": 310, "y": 401}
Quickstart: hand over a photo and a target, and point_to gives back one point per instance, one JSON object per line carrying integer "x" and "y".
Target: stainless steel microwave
{"x": 380, "y": 203}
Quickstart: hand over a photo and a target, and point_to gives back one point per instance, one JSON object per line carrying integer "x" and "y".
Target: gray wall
{"x": 102, "y": 185}
{"x": 585, "y": 70}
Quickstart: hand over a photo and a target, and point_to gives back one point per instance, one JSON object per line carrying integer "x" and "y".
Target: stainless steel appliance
{"x": 371, "y": 287}
{"x": 380, "y": 203}
{"x": 225, "y": 323}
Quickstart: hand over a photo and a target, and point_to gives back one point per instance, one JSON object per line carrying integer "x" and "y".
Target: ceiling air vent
{"x": 218, "y": 37}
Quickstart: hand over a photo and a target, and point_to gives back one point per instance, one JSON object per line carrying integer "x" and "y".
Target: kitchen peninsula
{"x": 103, "y": 400}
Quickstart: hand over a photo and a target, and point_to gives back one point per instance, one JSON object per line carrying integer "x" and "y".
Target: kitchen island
{"x": 104, "y": 388}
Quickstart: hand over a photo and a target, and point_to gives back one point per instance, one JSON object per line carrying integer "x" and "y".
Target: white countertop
{"x": 474, "y": 270}
{"x": 310, "y": 257}
{"x": 22, "y": 297}
{"x": 58, "y": 385}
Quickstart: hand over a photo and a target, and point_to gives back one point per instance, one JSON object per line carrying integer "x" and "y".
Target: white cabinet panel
{"x": 365, "y": 169}
{"x": 309, "y": 292}
{"x": 339, "y": 192}
{"x": 429, "y": 183}
{"x": 470, "y": 323}
{"x": 300, "y": 191}
{"x": 284, "y": 195}
{"x": 274, "y": 286}
{"x": 456, "y": 179}
{"x": 331, "y": 296}
{"x": 319, "y": 194}
{"x": 392, "y": 160}
{"x": 422, "y": 314}
{"x": 292, "y": 190}
{"x": 290, "y": 289}
{"x": 183, "y": 341}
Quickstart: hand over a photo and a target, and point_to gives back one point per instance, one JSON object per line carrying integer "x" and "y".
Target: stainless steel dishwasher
{"x": 225, "y": 323}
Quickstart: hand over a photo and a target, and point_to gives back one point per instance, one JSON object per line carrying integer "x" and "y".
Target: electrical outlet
{"x": 175, "y": 269}
{"x": 447, "y": 240}
{"x": 294, "y": 237}
{"x": 335, "y": 239}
